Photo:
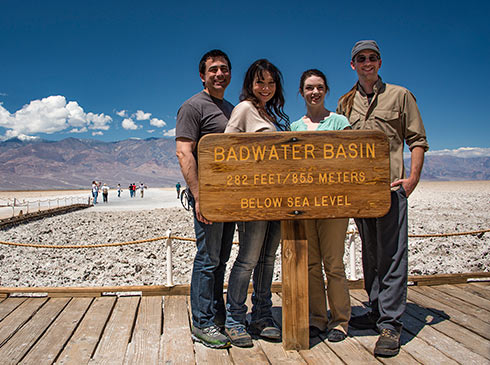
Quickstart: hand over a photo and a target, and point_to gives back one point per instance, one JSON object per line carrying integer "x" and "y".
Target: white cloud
{"x": 157, "y": 122}
{"x": 122, "y": 113}
{"x": 150, "y": 130}
{"x": 128, "y": 123}
{"x": 3, "y": 94}
{"x": 79, "y": 130}
{"x": 463, "y": 152}
{"x": 50, "y": 115}
{"x": 169, "y": 133}
{"x": 99, "y": 133}
{"x": 141, "y": 115}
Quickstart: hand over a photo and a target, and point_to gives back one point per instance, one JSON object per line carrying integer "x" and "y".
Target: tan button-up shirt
{"x": 392, "y": 110}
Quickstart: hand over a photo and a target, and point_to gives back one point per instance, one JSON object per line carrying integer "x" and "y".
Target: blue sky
{"x": 112, "y": 70}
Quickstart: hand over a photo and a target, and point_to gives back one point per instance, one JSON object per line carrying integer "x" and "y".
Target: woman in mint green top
{"x": 325, "y": 236}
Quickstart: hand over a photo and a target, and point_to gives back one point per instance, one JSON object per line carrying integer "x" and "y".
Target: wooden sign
{"x": 294, "y": 175}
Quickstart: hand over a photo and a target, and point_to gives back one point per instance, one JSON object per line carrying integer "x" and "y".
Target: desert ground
{"x": 434, "y": 208}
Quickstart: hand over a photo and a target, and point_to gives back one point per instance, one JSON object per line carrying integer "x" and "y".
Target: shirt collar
{"x": 377, "y": 88}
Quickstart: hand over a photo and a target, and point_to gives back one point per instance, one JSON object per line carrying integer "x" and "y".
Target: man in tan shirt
{"x": 375, "y": 105}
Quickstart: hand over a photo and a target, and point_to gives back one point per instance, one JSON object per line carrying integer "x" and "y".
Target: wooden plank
{"x": 8, "y": 305}
{"x": 81, "y": 345}
{"x": 206, "y": 355}
{"x": 16, "y": 319}
{"x": 275, "y": 352}
{"x": 144, "y": 346}
{"x": 117, "y": 333}
{"x": 455, "y": 315}
{"x": 295, "y": 317}
{"x": 482, "y": 284}
{"x": 475, "y": 289}
{"x": 177, "y": 342}
{"x": 20, "y": 343}
{"x": 351, "y": 351}
{"x": 467, "y": 297}
{"x": 469, "y": 309}
{"x": 422, "y": 310}
{"x": 422, "y": 351}
{"x": 53, "y": 340}
{"x": 446, "y": 278}
{"x": 182, "y": 289}
{"x": 298, "y": 175}
{"x": 440, "y": 321}
{"x": 252, "y": 355}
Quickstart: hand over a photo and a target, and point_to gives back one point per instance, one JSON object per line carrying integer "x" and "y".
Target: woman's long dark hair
{"x": 274, "y": 108}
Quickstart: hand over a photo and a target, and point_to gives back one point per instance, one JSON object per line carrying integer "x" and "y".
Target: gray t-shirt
{"x": 200, "y": 115}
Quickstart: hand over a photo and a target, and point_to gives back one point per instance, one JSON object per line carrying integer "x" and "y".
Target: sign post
{"x": 291, "y": 176}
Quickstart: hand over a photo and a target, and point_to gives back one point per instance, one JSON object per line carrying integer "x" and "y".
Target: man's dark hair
{"x": 212, "y": 54}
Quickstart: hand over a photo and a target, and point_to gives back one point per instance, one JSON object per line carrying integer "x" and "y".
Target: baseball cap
{"x": 364, "y": 44}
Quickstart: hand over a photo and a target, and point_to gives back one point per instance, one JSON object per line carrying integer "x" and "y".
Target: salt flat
{"x": 434, "y": 207}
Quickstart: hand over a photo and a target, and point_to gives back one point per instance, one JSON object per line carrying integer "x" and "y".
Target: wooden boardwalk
{"x": 443, "y": 324}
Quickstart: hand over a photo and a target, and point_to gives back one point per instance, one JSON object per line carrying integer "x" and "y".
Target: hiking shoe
{"x": 388, "y": 343}
{"x": 336, "y": 335}
{"x": 210, "y": 337}
{"x": 265, "y": 328}
{"x": 239, "y": 336}
{"x": 315, "y": 331}
{"x": 367, "y": 321}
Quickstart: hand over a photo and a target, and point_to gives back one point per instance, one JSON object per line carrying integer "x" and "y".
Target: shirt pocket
{"x": 389, "y": 122}
{"x": 354, "y": 120}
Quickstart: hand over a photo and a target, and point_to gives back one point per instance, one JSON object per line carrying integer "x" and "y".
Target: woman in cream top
{"x": 260, "y": 110}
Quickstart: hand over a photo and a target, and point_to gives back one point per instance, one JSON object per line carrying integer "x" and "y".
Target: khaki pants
{"x": 326, "y": 245}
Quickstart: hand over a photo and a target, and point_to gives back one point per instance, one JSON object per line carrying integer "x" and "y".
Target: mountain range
{"x": 73, "y": 163}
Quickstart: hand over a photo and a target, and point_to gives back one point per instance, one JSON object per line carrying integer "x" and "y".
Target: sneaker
{"x": 239, "y": 336}
{"x": 388, "y": 343}
{"x": 366, "y": 321}
{"x": 265, "y": 328}
{"x": 336, "y": 335}
{"x": 210, "y": 337}
{"x": 315, "y": 331}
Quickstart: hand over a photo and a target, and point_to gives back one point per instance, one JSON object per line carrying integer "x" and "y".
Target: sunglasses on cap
{"x": 371, "y": 58}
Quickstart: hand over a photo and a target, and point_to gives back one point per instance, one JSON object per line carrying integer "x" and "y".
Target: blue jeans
{"x": 258, "y": 245}
{"x": 95, "y": 194}
{"x": 214, "y": 243}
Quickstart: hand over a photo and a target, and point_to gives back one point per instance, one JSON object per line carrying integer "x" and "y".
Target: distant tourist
{"x": 260, "y": 110}
{"x": 105, "y": 192}
{"x": 325, "y": 236}
{"x": 177, "y": 187}
{"x": 119, "y": 190}
{"x": 132, "y": 190}
{"x": 95, "y": 191}
{"x": 373, "y": 104}
{"x": 142, "y": 189}
{"x": 204, "y": 113}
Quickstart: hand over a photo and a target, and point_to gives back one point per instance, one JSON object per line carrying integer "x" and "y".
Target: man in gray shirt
{"x": 204, "y": 113}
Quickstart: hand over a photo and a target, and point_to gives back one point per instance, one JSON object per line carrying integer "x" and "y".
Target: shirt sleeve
{"x": 342, "y": 123}
{"x": 414, "y": 127}
{"x": 188, "y": 122}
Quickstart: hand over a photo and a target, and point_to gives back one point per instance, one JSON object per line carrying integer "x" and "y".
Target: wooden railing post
{"x": 295, "y": 320}
{"x": 168, "y": 245}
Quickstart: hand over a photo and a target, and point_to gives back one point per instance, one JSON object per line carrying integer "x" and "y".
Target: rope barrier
{"x": 114, "y": 244}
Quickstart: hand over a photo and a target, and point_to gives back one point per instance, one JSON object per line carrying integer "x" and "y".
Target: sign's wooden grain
{"x": 294, "y": 175}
